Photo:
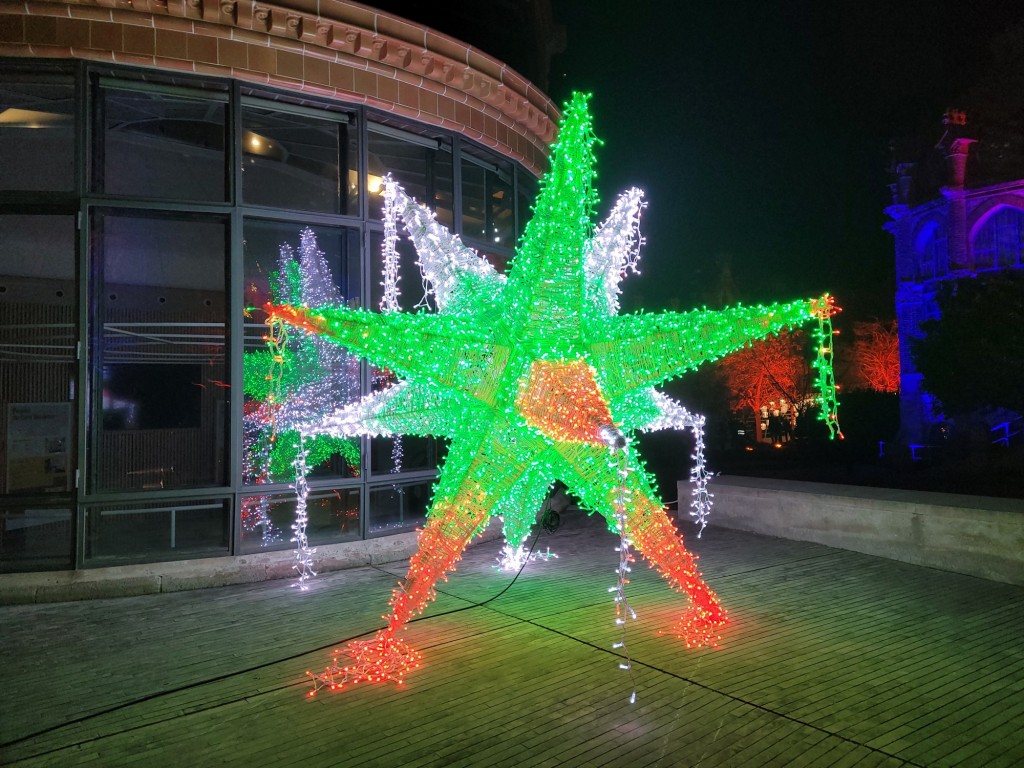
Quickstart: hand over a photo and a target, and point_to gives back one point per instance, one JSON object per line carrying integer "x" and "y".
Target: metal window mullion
{"x": 84, "y": 137}
{"x": 489, "y": 208}
{"x": 91, "y": 353}
{"x": 235, "y": 320}
{"x": 335, "y": 220}
{"x": 365, "y": 293}
{"x": 407, "y": 136}
{"x": 283, "y": 107}
{"x": 160, "y": 89}
{"x": 457, "y": 185}
{"x": 515, "y": 206}
{"x": 150, "y": 205}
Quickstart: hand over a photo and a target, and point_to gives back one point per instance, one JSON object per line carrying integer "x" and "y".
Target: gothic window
{"x": 932, "y": 252}
{"x": 999, "y": 243}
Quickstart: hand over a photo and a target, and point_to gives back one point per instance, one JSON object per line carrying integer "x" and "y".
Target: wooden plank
{"x": 833, "y": 658}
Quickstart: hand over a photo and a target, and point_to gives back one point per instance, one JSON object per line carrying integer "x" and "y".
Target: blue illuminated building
{"x": 956, "y": 213}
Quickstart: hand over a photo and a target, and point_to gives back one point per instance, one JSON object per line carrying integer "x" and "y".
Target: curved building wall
{"x": 328, "y": 48}
{"x": 156, "y": 157}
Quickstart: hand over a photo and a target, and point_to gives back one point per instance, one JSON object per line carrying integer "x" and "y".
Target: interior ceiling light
{"x": 30, "y": 118}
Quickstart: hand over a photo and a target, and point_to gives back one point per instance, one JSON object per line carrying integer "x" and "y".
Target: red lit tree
{"x": 767, "y": 371}
{"x": 875, "y": 363}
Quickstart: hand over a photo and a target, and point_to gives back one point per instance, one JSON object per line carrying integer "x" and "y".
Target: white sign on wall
{"x": 38, "y": 447}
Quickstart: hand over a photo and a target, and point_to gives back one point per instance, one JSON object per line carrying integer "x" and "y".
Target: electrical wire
{"x": 257, "y": 667}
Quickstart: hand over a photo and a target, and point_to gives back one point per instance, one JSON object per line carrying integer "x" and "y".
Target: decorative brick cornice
{"x": 331, "y": 48}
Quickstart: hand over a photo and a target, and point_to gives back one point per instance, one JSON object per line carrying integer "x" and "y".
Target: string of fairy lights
{"x": 535, "y": 376}
{"x": 303, "y": 552}
{"x": 624, "y": 612}
{"x": 823, "y": 309}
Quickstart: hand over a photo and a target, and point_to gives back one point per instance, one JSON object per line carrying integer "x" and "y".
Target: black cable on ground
{"x": 732, "y": 697}
{"x": 244, "y": 697}
{"x": 256, "y": 668}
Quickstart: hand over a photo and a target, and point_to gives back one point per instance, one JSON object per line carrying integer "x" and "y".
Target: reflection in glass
{"x": 411, "y": 290}
{"x": 168, "y": 530}
{"x": 399, "y": 507}
{"x": 162, "y": 146}
{"x": 422, "y": 168}
{"x": 415, "y": 455}
{"x": 35, "y": 537}
{"x": 37, "y": 136}
{"x": 267, "y": 519}
{"x": 298, "y": 162}
{"x": 158, "y": 388}
{"x": 38, "y": 337}
{"x": 1000, "y": 240}
{"x": 159, "y": 372}
{"x": 289, "y": 263}
{"x": 488, "y": 209}
{"x": 526, "y": 193}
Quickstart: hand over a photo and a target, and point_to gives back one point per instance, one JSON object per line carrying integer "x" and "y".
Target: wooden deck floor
{"x": 832, "y": 658}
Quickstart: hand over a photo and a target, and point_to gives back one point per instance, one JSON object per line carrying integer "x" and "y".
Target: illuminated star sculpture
{"x": 534, "y": 377}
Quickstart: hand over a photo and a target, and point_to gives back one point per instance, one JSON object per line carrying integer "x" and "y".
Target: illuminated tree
{"x": 875, "y": 361}
{"x": 972, "y": 357}
{"x": 767, "y": 371}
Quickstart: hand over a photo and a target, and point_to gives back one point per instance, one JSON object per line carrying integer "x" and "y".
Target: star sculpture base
{"x": 383, "y": 659}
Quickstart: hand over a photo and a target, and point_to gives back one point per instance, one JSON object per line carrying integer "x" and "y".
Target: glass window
{"x": 298, "y": 161}
{"x": 289, "y": 263}
{"x": 35, "y": 537}
{"x": 160, "y": 530}
{"x": 37, "y": 136}
{"x": 419, "y": 164}
{"x": 332, "y": 516}
{"x": 1000, "y": 241}
{"x": 408, "y": 453}
{"x": 157, "y": 352}
{"x": 399, "y": 507}
{"x": 38, "y": 338}
{"x": 488, "y": 210}
{"x": 933, "y": 256}
{"x": 161, "y": 145}
{"x": 413, "y": 453}
{"x": 409, "y": 286}
{"x": 526, "y": 194}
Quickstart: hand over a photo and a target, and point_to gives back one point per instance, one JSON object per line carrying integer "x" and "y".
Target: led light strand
{"x": 277, "y": 341}
{"x": 303, "y": 553}
{"x": 514, "y": 558}
{"x": 389, "y": 302}
{"x": 702, "y": 499}
{"x": 823, "y": 310}
{"x": 615, "y": 249}
{"x": 672, "y": 415}
{"x": 623, "y": 610}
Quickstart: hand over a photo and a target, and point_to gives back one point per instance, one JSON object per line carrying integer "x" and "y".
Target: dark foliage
{"x": 972, "y": 357}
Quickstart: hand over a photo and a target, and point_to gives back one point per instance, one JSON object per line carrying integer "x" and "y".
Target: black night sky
{"x": 760, "y": 132}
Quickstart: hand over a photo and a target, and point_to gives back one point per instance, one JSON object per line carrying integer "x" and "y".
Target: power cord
{"x": 247, "y": 670}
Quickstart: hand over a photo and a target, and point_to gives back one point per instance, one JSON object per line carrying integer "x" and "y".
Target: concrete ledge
{"x": 975, "y": 535}
{"x": 179, "y": 575}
